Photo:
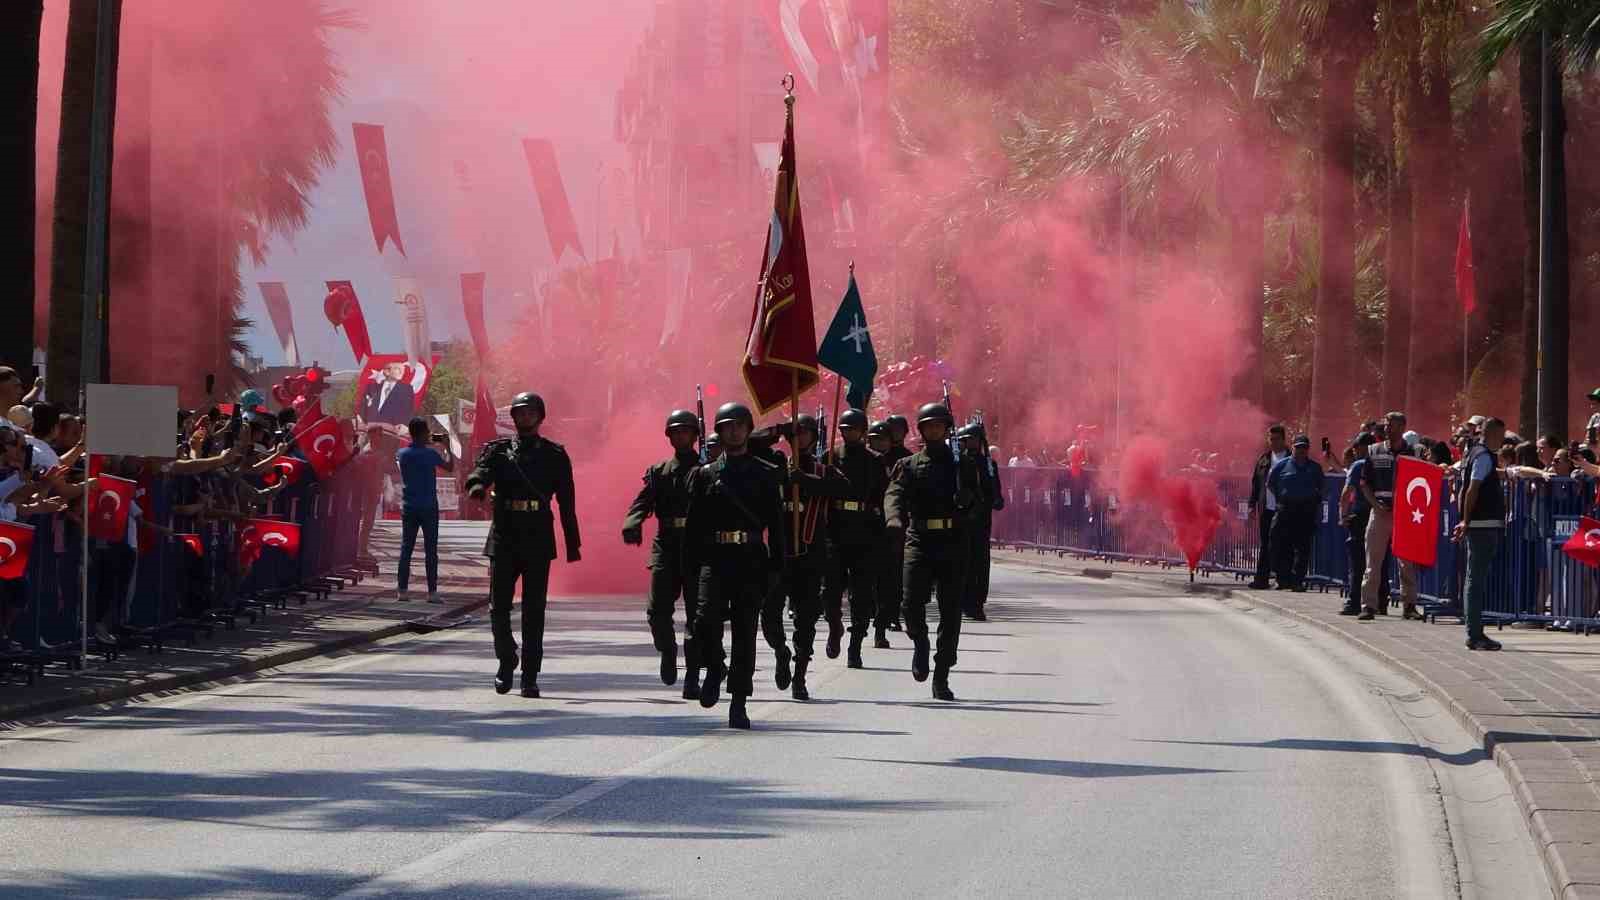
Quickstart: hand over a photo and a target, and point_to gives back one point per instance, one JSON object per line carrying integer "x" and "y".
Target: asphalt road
{"x": 1109, "y": 742}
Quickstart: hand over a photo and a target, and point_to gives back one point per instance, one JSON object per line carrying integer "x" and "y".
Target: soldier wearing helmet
{"x": 991, "y": 499}
{"x": 734, "y": 538}
{"x": 893, "y": 559}
{"x": 931, "y": 496}
{"x": 665, "y": 495}
{"x": 527, "y": 474}
{"x": 855, "y": 538}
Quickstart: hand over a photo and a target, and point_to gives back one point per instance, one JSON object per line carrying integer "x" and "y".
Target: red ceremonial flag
{"x": 1466, "y": 279}
{"x": 276, "y": 297}
{"x": 193, "y": 542}
{"x": 323, "y": 446}
{"x": 472, "y": 285}
{"x": 16, "y": 540}
{"x": 1584, "y": 546}
{"x": 108, "y": 507}
{"x": 273, "y": 533}
{"x": 559, "y": 224}
{"x": 1419, "y": 488}
{"x": 483, "y": 416}
{"x": 780, "y": 357}
{"x": 343, "y": 309}
{"x": 373, "y": 156}
{"x": 289, "y": 468}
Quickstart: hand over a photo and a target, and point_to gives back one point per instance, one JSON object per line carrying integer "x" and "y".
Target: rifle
{"x": 819, "y": 449}
{"x": 700, "y": 413}
{"x": 951, "y": 439}
{"x": 983, "y": 440}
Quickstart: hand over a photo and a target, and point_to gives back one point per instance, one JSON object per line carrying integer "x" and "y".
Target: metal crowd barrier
{"x": 172, "y": 592}
{"x": 1532, "y": 580}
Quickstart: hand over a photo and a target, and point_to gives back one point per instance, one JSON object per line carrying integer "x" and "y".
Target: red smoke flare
{"x": 1188, "y": 504}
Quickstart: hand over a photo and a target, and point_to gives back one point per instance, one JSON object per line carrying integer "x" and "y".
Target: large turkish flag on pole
{"x": 1419, "y": 492}
{"x": 108, "y": 507}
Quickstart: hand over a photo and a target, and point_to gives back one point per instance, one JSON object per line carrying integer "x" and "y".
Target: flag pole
{"x": 1466, "y": 314}
{"x": 838, "y": 394}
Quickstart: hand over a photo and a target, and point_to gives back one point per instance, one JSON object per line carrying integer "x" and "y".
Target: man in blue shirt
{"x": 1296, "y": 483}
{"x": 420, "y": 504}
{"x": 1355, "y": 514}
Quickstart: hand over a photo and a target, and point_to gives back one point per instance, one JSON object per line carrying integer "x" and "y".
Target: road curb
{"x": 130, "y": 690}
{"x": 1561, "y": 864}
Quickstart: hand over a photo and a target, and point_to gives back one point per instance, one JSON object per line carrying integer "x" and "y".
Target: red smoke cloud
{"x": 1187, "y": 504}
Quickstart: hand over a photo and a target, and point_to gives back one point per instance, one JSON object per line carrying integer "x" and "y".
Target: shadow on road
{"x": 1060, "y": 768}
{"x": 256, "y": 882}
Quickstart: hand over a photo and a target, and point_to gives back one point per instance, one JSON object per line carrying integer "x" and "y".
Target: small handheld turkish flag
{"x": 290, "y": 469}
{"x": 1419, "y": 490}
{"x": 108, "y": 507}
{"x": 257, "y": 534}
{"x": 193, "y": 543}
{"x": 16, "y": 540}
{"x": 1584, "y": 546}
{"x": 323, "y": 446}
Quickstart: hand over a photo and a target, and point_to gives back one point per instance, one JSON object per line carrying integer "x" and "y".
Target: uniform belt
{"x": 791, "y": 506}
{"x": 523, "y": 505}
{"x": 935, "y": 524}
{"x": 734, "y": 537}
{"x": 850, "y": 505}
{"x": 680, "y": 522}
{"x": 1383, "y": 493}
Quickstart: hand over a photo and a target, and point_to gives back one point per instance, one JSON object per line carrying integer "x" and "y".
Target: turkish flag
{"x": 1419, "y": 490}
{"x": 373, "y": 155}
{"x": 483, "y": 417}
{"x": 1466, "y": 279}
{"x": 780, "y": 359}
{"x": 323, "y": 446}
{"x": 108, "y": 507}
{"x": 472, "y": 306}
{"x": 289, "y": 468}
{"x": 343, "y": 310}
{"x": 1584, "y": 546}
{"x": 272, "y": 533}
{"x": 559, "y": 225}
{"x": 16, "y": 539}
{"x": 193, "y": 542}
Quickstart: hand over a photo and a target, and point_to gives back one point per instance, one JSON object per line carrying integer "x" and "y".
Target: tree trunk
{"x": 1331, "y": 367}
{"x": 69, "y": 233}
{"x": 1435, "y": 374}
{"x": 1556, "y": 314}
{"x": 19, "y": 124}
{"x": 1528, "y": 97}
{"x": 1397, "y": 266}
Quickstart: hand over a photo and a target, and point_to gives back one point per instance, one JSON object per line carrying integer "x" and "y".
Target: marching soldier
{"x": 878, "y": 441}
{"x": 855, "y": 538}
{"x": 764, "y": 446}
{"x": 734, "y": 537}
{"x": 974, "y": 444}
{"x": 814, "y": 485}
{"x": 895, "y": 559}
{"x": 665, "y": 495}
{"x": 930, "y": 495}
{"x": 527, "y": 473}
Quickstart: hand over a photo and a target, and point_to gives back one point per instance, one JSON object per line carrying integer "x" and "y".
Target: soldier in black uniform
{"x": 855, "y": 537}
{"x": 930, "y": 495}
{"x": 527, "y": 473}
{"x": 665, "y": 495}
{"x": 735, "y": 539}
{"x": 974, "y": 444}
{"x": 808, "y": 554}
{"x": 764, "y": 446}
{"x": 894, "y": 562}
{"x": 878, "y": 440}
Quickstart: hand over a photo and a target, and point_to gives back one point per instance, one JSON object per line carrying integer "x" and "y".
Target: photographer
{"x": 420, "y": 503}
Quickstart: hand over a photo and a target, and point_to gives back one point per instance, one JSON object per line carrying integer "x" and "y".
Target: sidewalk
{"x": 1535, "y": 705}
{"x": 361, "y": 614}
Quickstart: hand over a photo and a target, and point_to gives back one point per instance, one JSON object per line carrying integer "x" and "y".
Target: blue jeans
{"x": 1482, "y": 546}
{"x": 428, "y": 521}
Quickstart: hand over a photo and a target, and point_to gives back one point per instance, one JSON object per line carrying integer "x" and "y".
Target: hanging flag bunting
{"x": 559, "y": 223}
{"x": 276, "y": 297}
{"x": 847, "y": 347}
{"x": 472, "y": 285}
{"x": 373, "y": 156}
{"x": 781, "y": 353}
{"x": 1466, "y": 277}
{"x": 343, "y": 310}
{"x": 484, "y": 415}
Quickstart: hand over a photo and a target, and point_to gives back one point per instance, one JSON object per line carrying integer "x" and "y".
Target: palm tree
{"x": 1573, "y": 31}
{"x": 19, "y": 115}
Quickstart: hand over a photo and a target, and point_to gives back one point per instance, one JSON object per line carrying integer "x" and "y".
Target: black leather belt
{"x": 522, "y": 505}
{"x": 734, "y": 537}
{"x": 680, "y": 522}
{"x": 935, "y": 524}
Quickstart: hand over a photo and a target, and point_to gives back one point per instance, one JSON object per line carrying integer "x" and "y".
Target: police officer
{"x": 527, "y": 473}
{"x": 734, "y": 537}
{"x": 895, "y": 560}
{"x": 931, "y": 494}
{"x": 974, "y": 443}
{"x": 811, "y": 486}
{"x": 665, "y": 495}
{"x": 855, "y": 536}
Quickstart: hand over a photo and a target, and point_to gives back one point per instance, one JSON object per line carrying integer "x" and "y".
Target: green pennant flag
{"x": 847, "y": 347}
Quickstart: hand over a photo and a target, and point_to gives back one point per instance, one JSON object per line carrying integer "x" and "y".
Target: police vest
{"x": 1490, "y": 508}
{"x": 1380, "y": 470}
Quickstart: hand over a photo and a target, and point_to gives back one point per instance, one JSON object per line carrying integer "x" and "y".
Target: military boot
{"x": 691, "y": 672}
{"x": 711, "y": 688}
{"x": 880, "y": 639}
{"x": 530, "y": 684}
{"x": 669, "y": 664}
{"x": 854, "y": 659}
{"x": 941, "y": 684}
{"x": 781, "y": 674}
{"x": 737, "y": 717}
{"x": 502, "y": 676}
{"x": 835, "y": 634}
{"x": 797, "y": 690}
{"x": 919, "y": 659}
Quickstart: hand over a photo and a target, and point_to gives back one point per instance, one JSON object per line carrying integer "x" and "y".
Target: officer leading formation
{"x": 743, "y": 533}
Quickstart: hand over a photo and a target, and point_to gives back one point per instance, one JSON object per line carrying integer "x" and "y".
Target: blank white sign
{"x": 133, "y": 420}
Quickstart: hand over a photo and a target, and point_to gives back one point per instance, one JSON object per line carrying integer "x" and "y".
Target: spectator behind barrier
{"x": 420, "y": 503}
{"x": 1263, "y": 505}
